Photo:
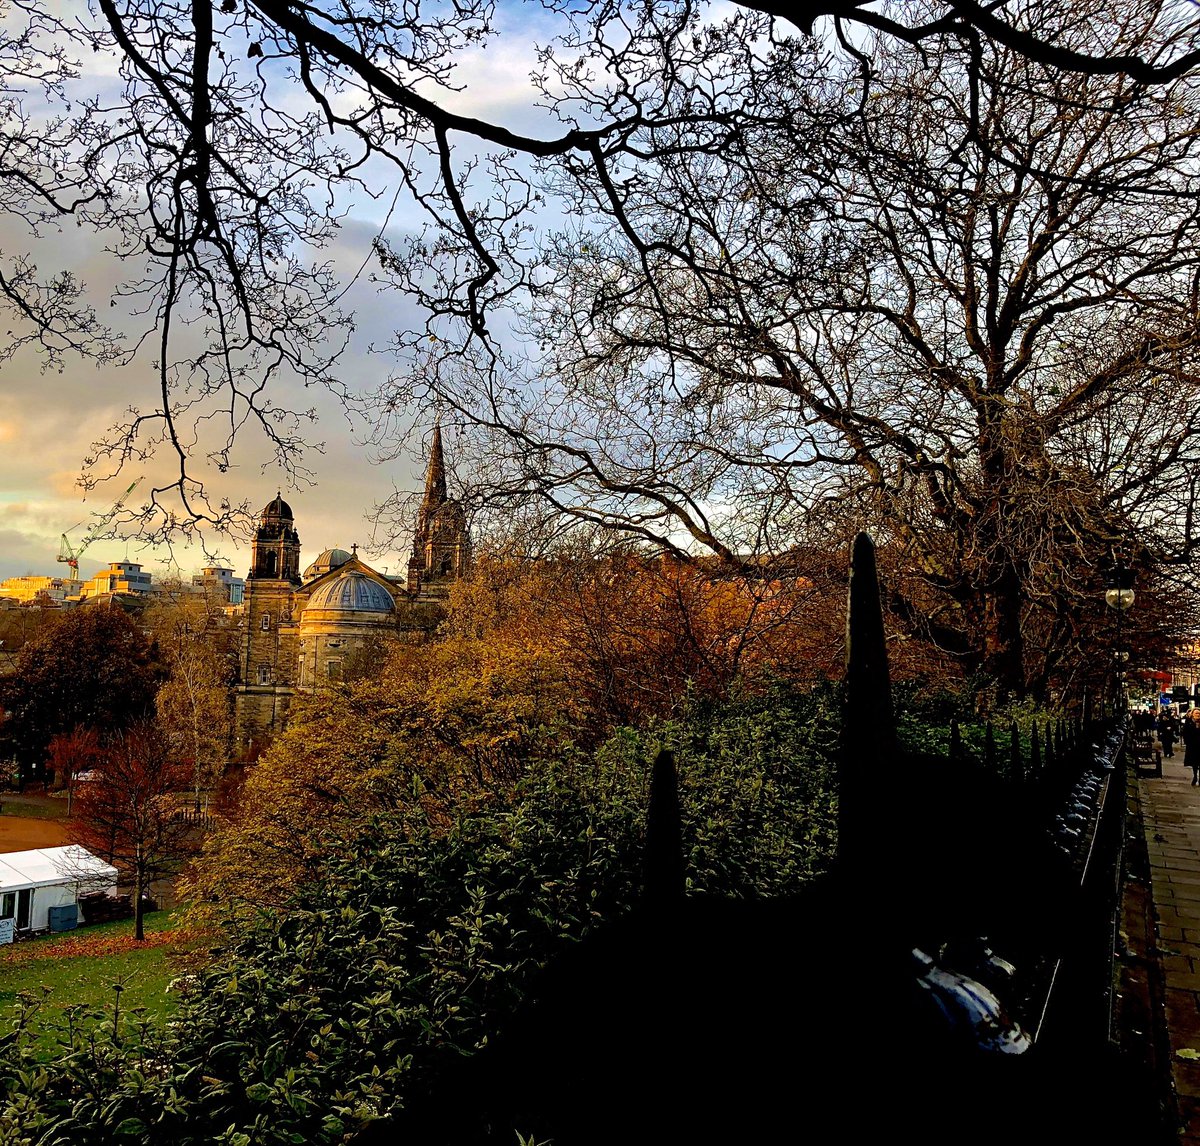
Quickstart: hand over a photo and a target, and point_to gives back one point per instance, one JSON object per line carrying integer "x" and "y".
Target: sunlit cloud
{"x": 49, "y": 420}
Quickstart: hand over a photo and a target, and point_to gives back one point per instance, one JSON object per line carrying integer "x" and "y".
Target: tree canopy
{"x": 90, "y": 668}
{"x": 727, "y": 278}
{"x": 128, "y": 811}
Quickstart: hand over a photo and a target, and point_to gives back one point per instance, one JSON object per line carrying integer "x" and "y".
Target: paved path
{"x": 1171, "y": 813}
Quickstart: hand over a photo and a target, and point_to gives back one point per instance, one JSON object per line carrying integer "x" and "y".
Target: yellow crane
{"x": 70, "y": 554}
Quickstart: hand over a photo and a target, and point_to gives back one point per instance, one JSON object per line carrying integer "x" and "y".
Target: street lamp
{"x": 1119, "y": 596}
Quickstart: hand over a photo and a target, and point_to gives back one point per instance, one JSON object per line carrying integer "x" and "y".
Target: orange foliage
{"x": 91, "y": 944}
{"x": 628, "y": 637}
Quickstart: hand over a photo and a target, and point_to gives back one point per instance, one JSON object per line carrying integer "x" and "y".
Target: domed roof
{"x": 277, "y": 508}
{"x": 330, "y": 559}
{"x": 351, "y": 592}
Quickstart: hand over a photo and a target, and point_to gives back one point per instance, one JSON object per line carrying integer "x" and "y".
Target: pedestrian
{"x": 1166, "y": 732}
{"x": 1191, "y": 744}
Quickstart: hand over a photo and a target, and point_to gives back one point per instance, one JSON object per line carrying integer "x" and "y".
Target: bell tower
{"x": 275, "y": 551}
{"x": 441, "y": 547}
{"x": 268, "y": 654}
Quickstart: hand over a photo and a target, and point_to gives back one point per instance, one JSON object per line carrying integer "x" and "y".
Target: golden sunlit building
{"x": 44, "y": 590}
{"x": 302, "y": 629}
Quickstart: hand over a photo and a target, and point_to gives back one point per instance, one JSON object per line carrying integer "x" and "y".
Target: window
{"x": 8, "y": 907}
{"x": 266, "y": 621}
{"x": 264, "y": 674}
{"x": 334, "y": 669}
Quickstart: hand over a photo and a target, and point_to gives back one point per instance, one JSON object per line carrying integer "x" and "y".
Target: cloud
{"x": 49, "y": 420}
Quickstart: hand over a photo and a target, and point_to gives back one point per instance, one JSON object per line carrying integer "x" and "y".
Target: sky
{"x": 49, "y": 419}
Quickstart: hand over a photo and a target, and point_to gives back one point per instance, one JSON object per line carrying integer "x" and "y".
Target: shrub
{"x": 411, "y": 949}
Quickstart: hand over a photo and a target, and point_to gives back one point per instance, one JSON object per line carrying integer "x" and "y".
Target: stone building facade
{"x": 301, "y": 628}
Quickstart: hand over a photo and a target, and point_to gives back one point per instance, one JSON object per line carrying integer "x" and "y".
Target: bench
{"x": 1146, "y": 754}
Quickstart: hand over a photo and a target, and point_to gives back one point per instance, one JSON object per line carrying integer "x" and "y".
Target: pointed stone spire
{"x": 435, "y": 475}
{"x": 440, "y": 543}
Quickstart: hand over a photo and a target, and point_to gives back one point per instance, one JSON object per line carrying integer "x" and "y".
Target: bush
{"x": 412, "y": 951}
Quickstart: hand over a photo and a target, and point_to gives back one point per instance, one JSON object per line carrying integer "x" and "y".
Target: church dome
{"x": 352, "y": 592}
{"x": 330, "y": 559}
{"x": 277, "y": 508}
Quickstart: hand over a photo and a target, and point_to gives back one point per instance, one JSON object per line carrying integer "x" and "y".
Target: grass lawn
{"x": 34, "y": 805}
{"x": 82, "y": 966}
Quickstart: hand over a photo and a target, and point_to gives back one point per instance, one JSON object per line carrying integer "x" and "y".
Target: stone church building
{"x": 301, "y": 627}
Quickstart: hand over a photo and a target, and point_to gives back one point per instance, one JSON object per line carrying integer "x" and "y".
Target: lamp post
{"x": 1119, "y": 596}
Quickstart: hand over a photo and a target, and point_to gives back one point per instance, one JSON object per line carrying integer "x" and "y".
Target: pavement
{"x": 1170, "y": 808}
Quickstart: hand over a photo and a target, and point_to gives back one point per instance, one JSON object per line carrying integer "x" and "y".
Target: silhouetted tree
{"x": 227, "y": 171}
{"x": 195, "y": 703}
{"x": 944, "y": 301}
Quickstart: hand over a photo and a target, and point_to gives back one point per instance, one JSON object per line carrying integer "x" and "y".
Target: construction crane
{"x": 71, "y": 554}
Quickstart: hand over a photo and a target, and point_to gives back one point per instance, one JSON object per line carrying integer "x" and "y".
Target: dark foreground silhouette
{"x": 806, "y": 1019}
{"x": 856, "y": 1011}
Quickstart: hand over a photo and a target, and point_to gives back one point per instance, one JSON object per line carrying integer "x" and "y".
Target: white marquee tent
{"x": 33, "y": 882}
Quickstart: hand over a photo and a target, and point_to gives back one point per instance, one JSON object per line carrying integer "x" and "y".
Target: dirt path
{"x": 20, "y": 834}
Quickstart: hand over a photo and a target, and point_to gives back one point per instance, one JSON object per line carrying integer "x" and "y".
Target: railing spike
{"x": 664, "y": 867}
{"x": 862, "y": 820}
{"x": 1016, "y": 765}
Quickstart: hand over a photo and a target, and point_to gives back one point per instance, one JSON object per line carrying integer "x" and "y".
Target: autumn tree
{"x": 943, "y": 301}
{"x": 129, "y": 811}
{"x": 344, "y": 757}
{"x": 71, "y": 753}
{"x": 91, "y": 668}
{"x": 632, "y": 633}
{"x": 20, "y": 625}
{"x": 194, "y": 705}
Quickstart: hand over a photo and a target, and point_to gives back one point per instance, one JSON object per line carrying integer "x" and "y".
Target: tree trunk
{"x": 139, "y": 887}
{"x": 998, "y": 578}
{"x": 1004, "y": 650}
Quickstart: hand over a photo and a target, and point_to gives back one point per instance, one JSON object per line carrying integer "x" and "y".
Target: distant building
{"x": 121, "y": 577}
{"x": 441, "y": 546}
{"x": 299, "y": 629}
{"x": 51, "y": 590}
{"x": 221, "y": 583}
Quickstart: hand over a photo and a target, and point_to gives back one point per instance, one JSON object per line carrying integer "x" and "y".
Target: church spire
{"x": 441, "y": 547}
{"x": 435, "y": 475}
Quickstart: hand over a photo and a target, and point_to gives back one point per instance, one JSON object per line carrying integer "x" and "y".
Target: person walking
{"x": 1166, "y": 732}
{"x": 1191, "y": 744}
